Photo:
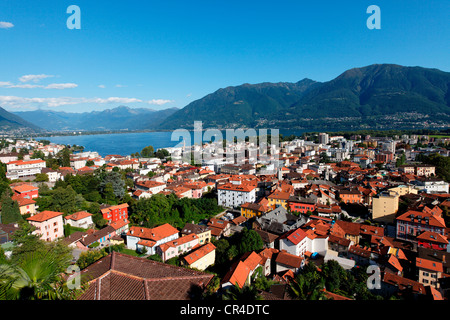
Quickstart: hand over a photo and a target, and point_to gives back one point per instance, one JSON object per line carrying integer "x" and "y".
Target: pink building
{"x": 178, "y": 246}
{"x": 49, "y": 225}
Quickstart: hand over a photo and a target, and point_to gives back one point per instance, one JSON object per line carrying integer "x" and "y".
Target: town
{"x": 303, "y": 222}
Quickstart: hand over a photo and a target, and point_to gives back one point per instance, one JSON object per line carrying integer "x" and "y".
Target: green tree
{"x": 36, "y": 276}
{"x": 250, "y": 241}
{"x": 10, "y": 209}
{"x": 64, "y": 157}
{"x": 148, "y": 152}
{"x": 41, "y": 177}
{"x": 246, "y": 293}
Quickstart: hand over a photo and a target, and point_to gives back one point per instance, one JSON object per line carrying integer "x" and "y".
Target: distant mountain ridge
{"x": 119, "y": 118}
{"x": 10, "y": 122}
{"x": 359, "y": 97}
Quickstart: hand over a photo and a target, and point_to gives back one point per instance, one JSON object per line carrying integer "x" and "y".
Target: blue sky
{"x": 162, "y": 54}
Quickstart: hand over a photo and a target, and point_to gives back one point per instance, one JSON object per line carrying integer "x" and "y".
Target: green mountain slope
{"x": 358, "y": 97}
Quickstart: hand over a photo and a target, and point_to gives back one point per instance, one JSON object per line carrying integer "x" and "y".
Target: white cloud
{"x": 21, "y": 102}
{"x": 34, "y": 77}
{"x": 6, "y": 25}
{"x": 61, "y": 86}
{"x": 158, "y": 102}
{"x": 5, "y": 84}
{"x": 120, "y": 86}
{"x": 102, "y": 86}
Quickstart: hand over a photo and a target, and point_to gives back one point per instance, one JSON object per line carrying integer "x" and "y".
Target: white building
{"x": 234, "y": 195}
{"x": 21, "y": 168}
{"x": 139, "y": 238}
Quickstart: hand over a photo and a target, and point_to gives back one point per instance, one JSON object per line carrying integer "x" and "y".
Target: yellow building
{"x": 250, "y": 210}
{"x": 385, "y": 206}
{"x": 201, "y": 258}
{"x": 278, "y": 198}
{"x": 203, "y": 232}
{"x": 403, "y": 189}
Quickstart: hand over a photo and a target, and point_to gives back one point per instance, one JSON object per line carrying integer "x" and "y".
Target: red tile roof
{"x": 199, "y": 253}
{"x": 78, "y": 216}
{"x": 44, "y": 216}
{"x": 122, "y": 277}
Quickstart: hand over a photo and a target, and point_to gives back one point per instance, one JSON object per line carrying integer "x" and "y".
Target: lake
{"x": 127, "y": 143}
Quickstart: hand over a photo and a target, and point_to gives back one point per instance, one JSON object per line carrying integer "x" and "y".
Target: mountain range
{"x": 119, "y": 118}
{"x": 376, "y": 96}
{"x": 361, "y": 96}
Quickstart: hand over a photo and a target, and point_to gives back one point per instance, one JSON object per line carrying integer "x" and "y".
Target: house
{"x": 120, "y": 276}
{"x": 250, "y": 210}
{"x": 412, "y": 223}
{"x": 361, "y": 255}
{"x": 429, "y": 271}
{"x": 241, "y": 272}
{"x": 26, "y": 205}
{"x": 286, "y": 261}
{"x": 301, "y": 204}
{"x": 219, "y": 228}
{"x": 394, "y": 284}
{"x": 121, "y": 226}
{"x": 431, "y": 185}
{"x": 9, "y": 157}
{"x": 278, "y": 198}
{"x": 140, "y": 238}
{"x": 294, "y": 242}
{"x": 114, "y": 213}
{"x": 351, "y": 196}
{"x": 150, "y": 186}
{"x": 81, "y": 219}
{"x": 339, "y": 244}
{"x": 49, "y": 225}
{"x": 347, "y": 230}
{"x": 202, "y": 257}
{"x": 53, "y": 175}
{"x": 278, "y": 221}
{"x": 179, "y": 246}
{"x": 25, "y": 190}
{"x": 203, "y": 232}
{"x": 268, "y": 238}
{"x": 432, "y": 240}
{"x": 101, "y": 236}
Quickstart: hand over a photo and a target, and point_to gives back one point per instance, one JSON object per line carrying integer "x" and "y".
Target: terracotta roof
{"x": 25, "y": 188}
{"x": 432, "y": 236}
{"x": 78, "y": 215}
{"x": 289, "y": 260}
{"x": 110, "y": 208}
{"x": 238, "y": 275}
{"x": 199, "y": 253}
{"x": 403, "y": 283}
{"x": 154, "y": 234}
{"x": 429, "y": 265}
{"x": 393, "y": 261}
{"x": 22, "y": 201}
{"x": 433, "y": 220}
{"x": 119, "y": 223}
{"x": 297, "y": 236}
{"x": 122, "y": 277}
{"x": 44, "y": 216}
{"x": 177, "y": 242}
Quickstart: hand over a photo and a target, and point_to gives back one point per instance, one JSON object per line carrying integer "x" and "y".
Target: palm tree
{"x": 247, "y": 293}
{"x": 308, "y": 287}
{"x": 36, "y": 276}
